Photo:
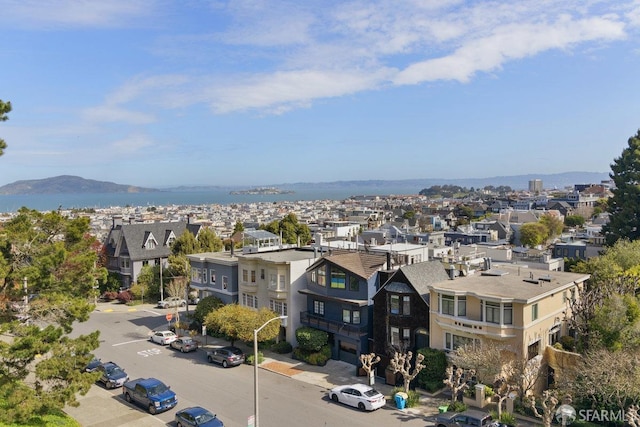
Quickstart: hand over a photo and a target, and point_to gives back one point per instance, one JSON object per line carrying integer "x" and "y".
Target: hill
{"x": 67, "y": 184}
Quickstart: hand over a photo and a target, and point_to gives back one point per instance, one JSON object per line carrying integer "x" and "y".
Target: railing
{"x": 319, "y": 322}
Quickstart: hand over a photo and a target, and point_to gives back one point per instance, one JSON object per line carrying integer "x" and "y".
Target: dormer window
{"x": 170, "y": 239}
{"x": 151, "y": 242}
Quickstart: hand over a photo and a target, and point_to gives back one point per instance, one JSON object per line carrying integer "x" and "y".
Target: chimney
{"x": 452, "y": 272}
{"x": 389, "y": 260}
{"x": 116, "y": 220}
{"x": 232, "y": 245}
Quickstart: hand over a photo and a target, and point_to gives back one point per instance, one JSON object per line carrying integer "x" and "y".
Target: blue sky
{"x": 163, "y": 93}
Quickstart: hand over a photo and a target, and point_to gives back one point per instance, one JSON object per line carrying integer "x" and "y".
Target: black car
{"x": 113, "y": 376}
{"x": 93, "y": 365}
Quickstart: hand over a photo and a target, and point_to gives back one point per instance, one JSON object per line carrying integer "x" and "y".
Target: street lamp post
{"x": 255, "y": 367}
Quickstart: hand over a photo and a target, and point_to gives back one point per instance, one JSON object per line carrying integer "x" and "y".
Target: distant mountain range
{"x": 67, "y": 184}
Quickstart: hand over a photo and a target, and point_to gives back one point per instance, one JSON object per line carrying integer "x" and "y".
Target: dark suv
{"x": 112, "y": 375}
{"x": 468, "y": 418}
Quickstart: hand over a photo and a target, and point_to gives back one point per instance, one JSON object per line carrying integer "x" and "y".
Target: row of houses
{"x": 372, "y": 298}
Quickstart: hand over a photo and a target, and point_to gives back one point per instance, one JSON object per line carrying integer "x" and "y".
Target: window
{"x": 346, "y": 316}
{"x": 406, "y": 334}
{"x": 394, "y": 304}
{"x": 322, "y": 277}
{"x": 313, "y": 277}
{"x": 212, "y": 276}
{"x": 554, "y": 334}
{"x": 394, "y": 335}
{"x": 462, "y": 306}
{"x": 225, "y": 282}
{"x": 273, "y": 281}
{"x": 151, "y": 244}
{"x": 204, "y": 275}
{"x": 492, "y": 312}
{"x": 452, "y": 342}
{"x": 447, "y": 305}
{"x": 262, "y": 274}
{"x": 253, "y": 276}
{"x": 507, "y": 314}
{"x": 534, "y": 312}
{"x": 533, "y": 350}
{"x": 406, "y": 305}
{"x": 124, "y": 262}
{"x": 145, "y": 263}
{"x": 338, "y": 279}
{"x": 355, "y": 317}
{"x": 354, "y": 283}
{"x": 281, "y": 283}
{"x": 318, "y": 308}
{"x": 245, "y": 276}
{"x": 278, "y": 307}
{"x": 250, "y": 300}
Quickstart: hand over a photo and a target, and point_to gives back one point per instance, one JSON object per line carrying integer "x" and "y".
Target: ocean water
{"x": 49, "y": 202}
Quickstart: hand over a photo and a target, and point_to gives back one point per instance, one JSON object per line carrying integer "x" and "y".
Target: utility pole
{"x": 161, "y": 285}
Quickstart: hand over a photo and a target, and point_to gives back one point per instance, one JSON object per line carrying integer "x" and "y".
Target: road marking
{"x": 150, "y": 352}
{"x": 108, "y": 310}
{"x": 129, "y": 342}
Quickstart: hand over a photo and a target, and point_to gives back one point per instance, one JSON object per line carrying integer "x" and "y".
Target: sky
{"x": 161, "y": 93}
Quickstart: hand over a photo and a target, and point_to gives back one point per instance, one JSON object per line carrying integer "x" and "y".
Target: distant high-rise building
{"x": 535, "y": 186}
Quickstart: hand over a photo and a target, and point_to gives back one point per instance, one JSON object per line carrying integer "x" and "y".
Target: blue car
{"x": 197, "y": 416}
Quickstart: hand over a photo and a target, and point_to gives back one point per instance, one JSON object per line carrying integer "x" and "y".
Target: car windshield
{"x": 204, "y": 417}
{"x": 187, "y": 341}
{"x": 157, "y": 389}
{"x": 371, "y": 393}
{"x": 115, "y": 370}
{"x": 235, "y": 351}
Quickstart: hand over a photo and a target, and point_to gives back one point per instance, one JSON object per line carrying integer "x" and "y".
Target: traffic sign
{"x": 169, "y": 316}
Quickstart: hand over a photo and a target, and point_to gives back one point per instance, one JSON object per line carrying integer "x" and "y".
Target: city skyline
{"x": 161, "y": 93}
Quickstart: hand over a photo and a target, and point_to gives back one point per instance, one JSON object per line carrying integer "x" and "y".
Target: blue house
{"x": 215, "y": 274}
{"x": 339, "y": 292}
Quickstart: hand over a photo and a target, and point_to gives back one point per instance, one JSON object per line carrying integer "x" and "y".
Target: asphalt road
{"x": 226, "y": 392}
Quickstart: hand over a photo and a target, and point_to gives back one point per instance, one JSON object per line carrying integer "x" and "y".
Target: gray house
{"x": 129, "y": 247}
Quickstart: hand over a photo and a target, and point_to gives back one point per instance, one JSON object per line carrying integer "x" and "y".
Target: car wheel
{"x": 178, "y": 424}
{"x": 361, "y": 406}
{"x": 210, "y": 359}
{"x": 152, "y": 409}
{"x": 182, "y": 349}
{"x": 182, "y": 304}
{"x": 224, "y": 364}
{"x": 127, "y": 397}
{"x": 334, "y": 397}
{"x": 108, "y": 384}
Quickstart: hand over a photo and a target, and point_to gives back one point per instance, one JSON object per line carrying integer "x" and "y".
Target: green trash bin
{"x": 442, "y": 409}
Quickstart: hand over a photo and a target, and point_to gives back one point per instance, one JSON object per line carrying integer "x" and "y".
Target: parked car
{"x": 150, "y": 393}
{"x": 226, "y": 356}
{"x": 197, "y": 416}
{"x": 468, "y": 418}
{"x": 163, "y": 337}
{"x": 360, "y": 396}
{"x": 113, "y": 376}
{"x": 184, "y": 344}
{"x": 194, "y": 299}
{"x": 172, "y": 302}
{"x": 93, "y": 365}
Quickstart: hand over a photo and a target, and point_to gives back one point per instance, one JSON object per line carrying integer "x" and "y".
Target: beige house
{"x": 524, "y": 309}
{"x": 272, "y": 280}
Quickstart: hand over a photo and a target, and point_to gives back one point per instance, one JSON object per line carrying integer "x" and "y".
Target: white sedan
{"x": 163, "y": 337}
{"x": 360, "y": 396}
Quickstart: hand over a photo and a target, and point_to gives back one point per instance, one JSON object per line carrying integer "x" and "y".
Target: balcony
{"x": 333, "y": 326}
{"x": 463, "y": 324}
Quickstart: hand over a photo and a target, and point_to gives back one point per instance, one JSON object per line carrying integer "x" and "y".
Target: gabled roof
{"x": 361, "y": 264}
{"x": 134, "y": 236}
{"x": 419, "y": 276}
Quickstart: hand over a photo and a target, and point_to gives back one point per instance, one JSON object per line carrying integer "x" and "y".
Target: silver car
{"x": 184, "y": 344}
{"x": 172, "y": 302}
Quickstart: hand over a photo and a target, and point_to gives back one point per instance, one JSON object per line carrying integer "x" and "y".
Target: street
{"x": 226, "y": 392}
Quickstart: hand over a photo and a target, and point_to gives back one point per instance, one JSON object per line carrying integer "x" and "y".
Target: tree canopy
{"x": 291, "y": 230}
{"x": 56, "y": 259}
{"x": 5, "y": 107}
{"x": 533, "y": 234}
{"x": 624, "y": 205}
{"x": 237, "y": 322}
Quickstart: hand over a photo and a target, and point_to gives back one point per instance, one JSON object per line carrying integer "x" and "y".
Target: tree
{"x": 553, "y": 224}
{"x": 616, "y": 323}
{"x": 291, "y": 230}
{"x": 186, "y": 244}
{"x": 238, "y": 322}
{"x": 401, "y": 362}
{"x": 177, "y": 287}
{"x": 368, "y": 361}
{"x": 549, "y": 403}
{"x": 238, "y": 227}
{"x": 208, "y": 241}
{"x": 5, "y": 107}
{"x": 487, "y": 360}
{"x": 574, "y": 220}
{"x": 533, "y": 234}
{"x": 455, "y": 380}
{"x": 623, "y": 206}
{"x": 206, "y": 306}
{"x": 41, "y": 367}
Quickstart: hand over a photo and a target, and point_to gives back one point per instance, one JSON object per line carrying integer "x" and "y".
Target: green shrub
{"x": 413, "y": 397}
{"x": 488, "y": 391}
{"x": 505, "y": 418}
{"x": 311, "y": 339}
{"x": 457, "y": 406}
{"x": 433, "y": 386}
{"x": 250, "y": 357}
{"x": 568, "y": 343}
{"x": 435, "y": 370}
{"x": 281, "y": 347}
{"x": 318, "y": 358}
{"x": 206, "y": 306}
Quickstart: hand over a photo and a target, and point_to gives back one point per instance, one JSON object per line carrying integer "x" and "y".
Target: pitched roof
{"x": 361, "y": 264}
{"x": 419, "y": 276}
{"x": 134, "y": 237}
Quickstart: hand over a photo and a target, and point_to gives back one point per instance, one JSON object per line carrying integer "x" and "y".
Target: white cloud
{"x": 130, "y": 144}
{"x": 106, "y": 113}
